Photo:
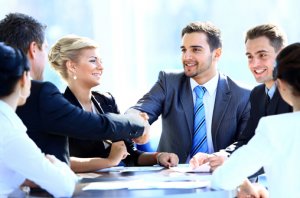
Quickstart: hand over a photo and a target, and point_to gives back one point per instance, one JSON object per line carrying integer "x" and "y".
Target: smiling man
{"x": 192, "y": 122}
{"x": 263, "y": 43}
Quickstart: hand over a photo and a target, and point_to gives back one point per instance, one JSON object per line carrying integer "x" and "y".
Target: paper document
{"x": 204, "y": 168}
{"x": 142, "y": 184}
{"x": 131, "y": 169}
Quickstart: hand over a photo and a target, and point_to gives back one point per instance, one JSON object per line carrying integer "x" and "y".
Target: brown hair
{"x": 212, "y": 32}
{"x": 275, "y": 35}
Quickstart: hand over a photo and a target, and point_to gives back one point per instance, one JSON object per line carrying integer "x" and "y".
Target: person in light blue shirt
{"x": 275, "y": 145}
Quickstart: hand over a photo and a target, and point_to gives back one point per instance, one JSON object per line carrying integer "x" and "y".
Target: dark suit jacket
{"x": 50, "y": 118}
{"x": 258, "y": 109}
{"x": 105, "y": 103}
{"x": 171, "y": 97}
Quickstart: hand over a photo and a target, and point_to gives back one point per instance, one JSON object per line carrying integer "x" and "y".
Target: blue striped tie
{"x": 199, "y": 136}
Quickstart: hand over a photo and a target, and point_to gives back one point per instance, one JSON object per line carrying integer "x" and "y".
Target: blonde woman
{"x": 20, "y": 158}
{"x": 78, "y": 62}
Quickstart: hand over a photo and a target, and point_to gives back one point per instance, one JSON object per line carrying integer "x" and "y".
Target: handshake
{"x": 143, "y": 117}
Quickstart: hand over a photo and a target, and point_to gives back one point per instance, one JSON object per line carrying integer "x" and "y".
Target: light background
{"x": 138, "y": 38}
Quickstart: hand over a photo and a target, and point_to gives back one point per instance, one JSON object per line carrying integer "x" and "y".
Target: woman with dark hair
{"x": 275, "y": 145}
{"x": 20, "y": 158}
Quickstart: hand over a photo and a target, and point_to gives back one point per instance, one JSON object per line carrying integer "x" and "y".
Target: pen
{"x": 109, "y": 142}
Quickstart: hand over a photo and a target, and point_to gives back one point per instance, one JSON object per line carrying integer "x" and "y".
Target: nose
{"x": 186, "y": 55}
{"x": 254, "y": 62}
{"x": 99, "y": 65}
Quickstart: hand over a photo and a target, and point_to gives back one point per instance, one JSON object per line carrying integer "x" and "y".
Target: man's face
{"x": 197, "y": 59}
{"x": 261, "y": 59}
{"x": 39, "y": 62}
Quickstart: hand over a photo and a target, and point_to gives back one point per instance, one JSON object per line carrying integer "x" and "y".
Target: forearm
{"x": 79, "y": 165}
{"x": 147, "y": 159}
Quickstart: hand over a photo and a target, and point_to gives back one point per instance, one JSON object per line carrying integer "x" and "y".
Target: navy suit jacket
{"x": 171, "y": 97}
{"x": 50, "y": 119}
{"x": 105, "y": 103}
{"x": 258, "y": 109}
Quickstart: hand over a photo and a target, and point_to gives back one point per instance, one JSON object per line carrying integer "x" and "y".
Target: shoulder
{"x": 42, "y": 84}
{"x": 39, "y": 86}
{"x": 105, "y": 96}
{"x": 258, "y": 91}
{"x": 273, "y": 125}
{"x": 259, "y": 88}
{"x": 172, "y": 78}
{"x": 233, "y": 85}
{"x": 171, "y": 74}
{"x": 281, "y": 118}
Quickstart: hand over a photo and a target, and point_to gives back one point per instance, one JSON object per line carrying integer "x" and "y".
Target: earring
{"x": 74, "y": 77}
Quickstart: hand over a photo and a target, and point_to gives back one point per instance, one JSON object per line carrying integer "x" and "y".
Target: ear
{"x": 33, "y": 47}
{"x": 71, "y": 66}
{"x": 23, "y": 79}
{"x": 217, "y": 53}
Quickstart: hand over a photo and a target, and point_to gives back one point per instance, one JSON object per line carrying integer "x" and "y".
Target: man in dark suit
{"x": 263, "y": 43}
{"x": 226, "y": 103}
{"x": 48, "y": 116}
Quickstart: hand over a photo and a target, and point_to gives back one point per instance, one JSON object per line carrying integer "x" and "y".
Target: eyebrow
{"x": 93, "y": 57}
{"x": 258, "y": 52}
{"x": 192, "y": 46}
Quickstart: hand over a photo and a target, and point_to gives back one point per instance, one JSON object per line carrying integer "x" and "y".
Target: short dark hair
{"x": 275, "y": 35}
{"x": 13, "y": 64}
{"x": 212, "y": 32}
{"x": 20, "y": 30}
{"x": 288, "y": 66}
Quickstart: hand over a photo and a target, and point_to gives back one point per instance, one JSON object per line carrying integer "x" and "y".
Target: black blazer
{"x": 258, "y": 109}
{"x": 105, "y": 103}
{"x": 50, "y": 118}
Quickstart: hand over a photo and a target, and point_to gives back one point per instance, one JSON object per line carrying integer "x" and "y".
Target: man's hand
{"x": 146, "y": 135}
{"x": 167, "y": 159}
{"x": 214, "y": 160}
{"x": 198, "y": 159}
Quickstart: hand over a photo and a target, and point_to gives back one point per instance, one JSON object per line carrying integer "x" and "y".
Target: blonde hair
{"x": 68, "y": 49}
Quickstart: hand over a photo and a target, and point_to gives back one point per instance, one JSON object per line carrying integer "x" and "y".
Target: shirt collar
{"x": 271, "y": 91}
{"x": 210, "y": 86}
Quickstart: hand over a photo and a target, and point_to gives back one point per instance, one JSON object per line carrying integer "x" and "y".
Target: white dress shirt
{"x": 20, "y": 158}
{"x": 208, "y": 102}
{"x": 275, "y": 146}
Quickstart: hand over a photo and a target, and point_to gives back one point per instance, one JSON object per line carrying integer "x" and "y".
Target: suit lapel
{"x": 71, "y": 97}
{"x": 272, "y": 107}
{"x": 187, "y": 103}
{"x": 223, "y": 96}
{"x": 259, "y": 100}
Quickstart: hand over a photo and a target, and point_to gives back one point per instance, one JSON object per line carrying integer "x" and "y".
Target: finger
{"x": 193, "y": 163}
{"x": 214, "y": 163}
{"x": 165, "y": 164}
{"x": 144, "y": 115}
{"x": 173, "y": 161}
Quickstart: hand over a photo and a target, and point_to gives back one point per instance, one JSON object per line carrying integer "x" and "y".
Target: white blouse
{"x": 276, "y": 147}
{"x": 20, "y": 158}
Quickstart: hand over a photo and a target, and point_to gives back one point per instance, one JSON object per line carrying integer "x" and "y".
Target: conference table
{"x": 152, "y": 181}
